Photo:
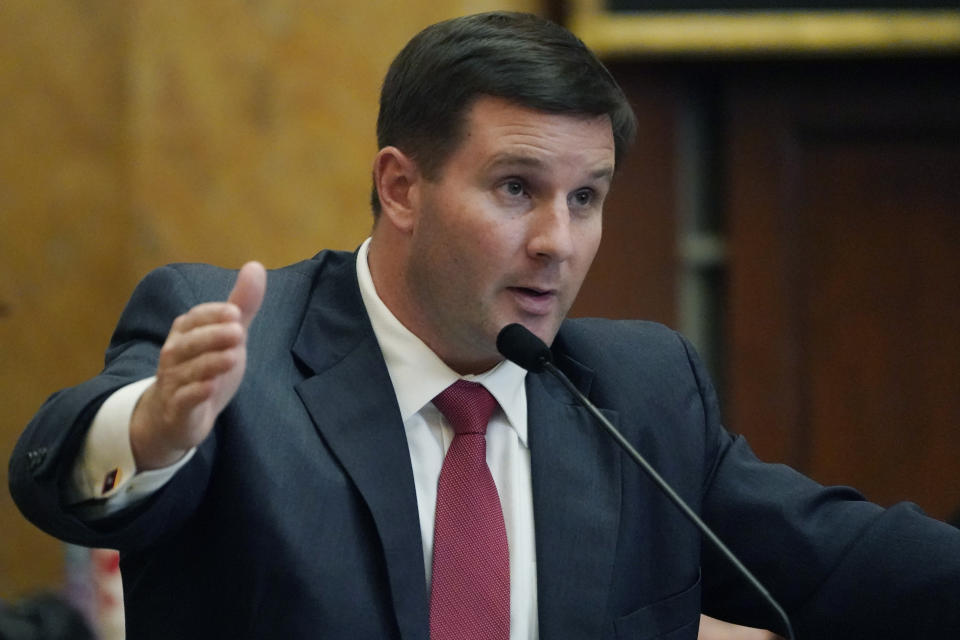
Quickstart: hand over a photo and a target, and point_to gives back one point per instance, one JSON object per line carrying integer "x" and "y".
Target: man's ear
{"x": 397, "y": 179}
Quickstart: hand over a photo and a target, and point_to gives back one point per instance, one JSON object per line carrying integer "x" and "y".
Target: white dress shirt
{"x": 418, "y": 375}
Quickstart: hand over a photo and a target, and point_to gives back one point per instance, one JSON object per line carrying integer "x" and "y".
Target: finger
{"x": 207, "y": 366}
{"x": 187, "y": 398}
{"x": 212, "y": 365}
{"x": 204, "y": 314}
{"x": 189, "y": 409}
{"x": 181, "y": 347}
{"x": 249, "y": 290}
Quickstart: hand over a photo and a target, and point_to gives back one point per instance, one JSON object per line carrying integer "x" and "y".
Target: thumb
{"x": 248, "y": 291}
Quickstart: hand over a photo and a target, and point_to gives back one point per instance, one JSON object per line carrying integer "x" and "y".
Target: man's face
{"x": 507, "y": 231}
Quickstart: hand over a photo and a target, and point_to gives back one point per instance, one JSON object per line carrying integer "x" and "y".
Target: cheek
{"x": 478, "y": 266}
{"x": 491, "y": 246}
{"x": 588, "y": 245}
{"x": 461, "y": 264}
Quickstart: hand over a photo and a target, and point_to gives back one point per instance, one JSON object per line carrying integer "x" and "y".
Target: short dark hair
{"x": 520, "y": 57}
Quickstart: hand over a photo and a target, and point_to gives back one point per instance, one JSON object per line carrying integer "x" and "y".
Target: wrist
{"x": 150, "y": 449}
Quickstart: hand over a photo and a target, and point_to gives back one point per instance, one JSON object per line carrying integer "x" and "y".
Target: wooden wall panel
{"x": 845, "y": 254}
{"x": 635, "y": 272}
{"x": 881, "y": 315}
{"x": 62, "y": 276}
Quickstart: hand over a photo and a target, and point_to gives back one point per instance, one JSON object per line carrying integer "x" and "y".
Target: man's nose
{"x": 550, "y": 234}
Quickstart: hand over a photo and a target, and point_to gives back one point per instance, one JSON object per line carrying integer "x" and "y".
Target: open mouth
{"x": 532, "y": 292}
{"x": 535, "y": 301}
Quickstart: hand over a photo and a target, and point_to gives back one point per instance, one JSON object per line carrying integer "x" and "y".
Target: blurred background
{"x": 792, "y": 203}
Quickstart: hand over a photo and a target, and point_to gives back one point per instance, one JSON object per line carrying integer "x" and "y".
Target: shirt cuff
{"x": 105, "y": 468}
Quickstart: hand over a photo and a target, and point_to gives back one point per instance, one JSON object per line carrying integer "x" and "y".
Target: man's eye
{"x": 583, "y": 197}
{"x": 513, "y": 187}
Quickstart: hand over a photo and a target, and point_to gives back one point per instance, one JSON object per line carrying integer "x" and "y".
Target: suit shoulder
{"x": 212, "y": 282}
{"x": 168, "y": 291}
{"x": 642, "y": 349}
{"x": 607, "y": 338}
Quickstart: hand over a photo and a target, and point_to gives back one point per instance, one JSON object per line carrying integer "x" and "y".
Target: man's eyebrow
{"x": 514, "y": 160}
{"x": 523, "y": 160}
{"x": 603, "y": 173}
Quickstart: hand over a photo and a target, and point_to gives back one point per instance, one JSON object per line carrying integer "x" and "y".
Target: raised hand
{"x": 199, "y": 370}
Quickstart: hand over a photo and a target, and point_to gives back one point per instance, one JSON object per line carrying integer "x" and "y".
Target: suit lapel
{"x": 351, "y": 400}
{"x": 576, "y": 501}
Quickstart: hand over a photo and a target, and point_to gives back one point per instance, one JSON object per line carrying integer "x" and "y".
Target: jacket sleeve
{"x": 840, "y": 566}
{"x": 47, "y": 450}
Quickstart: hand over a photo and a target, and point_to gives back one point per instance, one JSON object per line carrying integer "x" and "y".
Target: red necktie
{"x": 470, "y": 590}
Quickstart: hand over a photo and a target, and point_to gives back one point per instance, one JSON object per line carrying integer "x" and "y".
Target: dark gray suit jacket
{"x": 297, "y": 518}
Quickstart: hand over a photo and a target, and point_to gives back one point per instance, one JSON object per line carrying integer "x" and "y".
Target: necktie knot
{"x": 467, "y": 406}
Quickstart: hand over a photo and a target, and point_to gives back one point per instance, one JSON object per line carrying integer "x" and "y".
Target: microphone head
{"x": 517, "y": 343}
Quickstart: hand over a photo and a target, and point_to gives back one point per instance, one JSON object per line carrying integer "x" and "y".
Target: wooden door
{"x": 844, "y": 307}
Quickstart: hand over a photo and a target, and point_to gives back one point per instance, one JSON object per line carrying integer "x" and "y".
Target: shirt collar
{"x": 418, "y": 374}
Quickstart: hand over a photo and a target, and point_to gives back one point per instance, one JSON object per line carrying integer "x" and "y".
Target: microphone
{"x": 518, "y": 344}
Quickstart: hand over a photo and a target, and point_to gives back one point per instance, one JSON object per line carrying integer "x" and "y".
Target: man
{"x": 281, "y": 459}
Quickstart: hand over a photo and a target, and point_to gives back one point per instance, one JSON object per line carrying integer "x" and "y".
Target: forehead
{"x": 496, "y": 128}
